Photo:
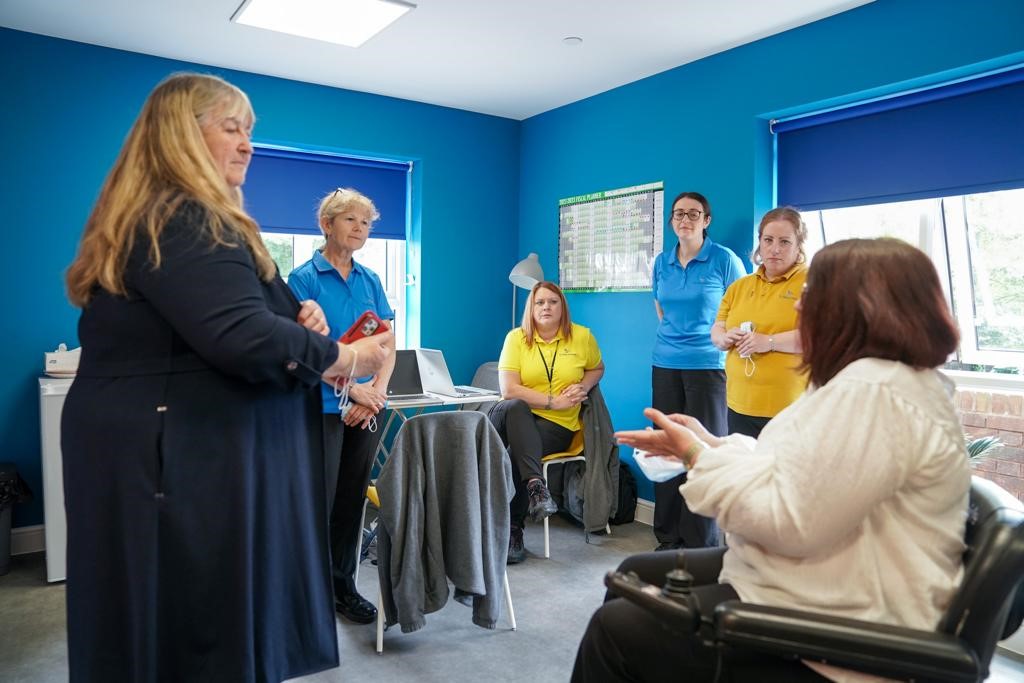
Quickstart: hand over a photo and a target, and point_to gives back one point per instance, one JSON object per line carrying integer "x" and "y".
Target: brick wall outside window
{"x": 985, "y": 413}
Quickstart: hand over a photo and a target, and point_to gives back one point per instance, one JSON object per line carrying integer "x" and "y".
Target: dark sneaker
{"x": 516, "y": 549}
{"x": 541, "y": 505}
{"x": 667, "y": 546}
{"x": 355, "y": 608}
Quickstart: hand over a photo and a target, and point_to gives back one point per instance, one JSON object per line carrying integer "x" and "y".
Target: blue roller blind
{"x": 283, "y": 189}
{"x": 956, "y": 139}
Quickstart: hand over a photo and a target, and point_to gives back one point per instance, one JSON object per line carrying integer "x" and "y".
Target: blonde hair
{"x": 341, "y": 200}
{"x": 164, "y": 163}
{"x": 528, "y": 327}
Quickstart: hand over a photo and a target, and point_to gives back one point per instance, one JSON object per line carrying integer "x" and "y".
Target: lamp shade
{"x": 527, "y": 272}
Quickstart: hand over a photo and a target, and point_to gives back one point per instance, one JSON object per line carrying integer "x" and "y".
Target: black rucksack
{"x": 626, "y": 511}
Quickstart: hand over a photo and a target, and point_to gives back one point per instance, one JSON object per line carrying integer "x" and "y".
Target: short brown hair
{"x": 565, "y": 326}
{"x": 873, "y": 298}
{"x": 791, "y": 216}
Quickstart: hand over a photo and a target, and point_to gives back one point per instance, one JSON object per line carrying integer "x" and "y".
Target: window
{"x": 283, "y": 189}
{"x": 386, "y": 257}
{"x": 975, "y": 241}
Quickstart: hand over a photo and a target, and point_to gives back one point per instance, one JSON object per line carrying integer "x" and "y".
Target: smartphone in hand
{"x": 367, "y": 325}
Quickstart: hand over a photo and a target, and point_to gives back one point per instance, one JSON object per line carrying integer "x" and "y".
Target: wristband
{"x": 548, "y": 406}
{"x": 690, "y": 454}
{"x": 771, "y": 344}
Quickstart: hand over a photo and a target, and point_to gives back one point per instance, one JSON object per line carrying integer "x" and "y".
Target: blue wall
{"x": 703, "y": 127}
{"x": 66, "y": 109}
{"x": 486, "y": 189}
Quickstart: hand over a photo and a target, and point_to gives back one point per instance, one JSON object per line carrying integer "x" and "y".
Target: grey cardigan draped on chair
{"x": 444, "y": 495}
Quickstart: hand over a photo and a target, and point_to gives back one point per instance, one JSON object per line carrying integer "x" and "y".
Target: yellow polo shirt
{"x": 567, "y": 361}
{"x": 775, "y": 382}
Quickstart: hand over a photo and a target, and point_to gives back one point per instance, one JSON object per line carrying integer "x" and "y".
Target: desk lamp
{"x": 526, "y": 274}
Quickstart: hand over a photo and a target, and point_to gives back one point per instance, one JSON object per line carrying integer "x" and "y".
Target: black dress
{"x": 193, "y": 475}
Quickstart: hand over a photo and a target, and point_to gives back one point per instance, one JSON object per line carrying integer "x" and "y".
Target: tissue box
{"x": 62, "y": 362}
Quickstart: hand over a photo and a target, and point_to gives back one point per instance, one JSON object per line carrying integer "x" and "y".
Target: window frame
{"x": 944, "y": 234}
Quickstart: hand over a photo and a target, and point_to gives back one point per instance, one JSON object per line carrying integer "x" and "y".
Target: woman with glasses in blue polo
{"x": 688, "y": 371}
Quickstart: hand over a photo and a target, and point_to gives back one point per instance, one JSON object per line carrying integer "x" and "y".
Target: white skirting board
{"x": 645, "y": 511}
{"x": 28, "y": 539}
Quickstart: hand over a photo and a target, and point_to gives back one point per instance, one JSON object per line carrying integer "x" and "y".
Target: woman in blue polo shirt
{"x": 345, "y": 290}
{"x": 688, "y": 373}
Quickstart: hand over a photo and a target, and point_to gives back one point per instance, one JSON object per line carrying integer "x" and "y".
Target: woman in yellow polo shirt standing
{"x": 547, "y": 367}
{"x": 757, "y": 325}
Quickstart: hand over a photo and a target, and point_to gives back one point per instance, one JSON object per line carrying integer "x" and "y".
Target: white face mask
{"x": 345, "y": 404}
{"x": 657, "y": 468}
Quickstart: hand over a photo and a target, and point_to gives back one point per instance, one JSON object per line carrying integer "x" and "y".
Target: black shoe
{"x": 666, "y": 545}
{"x": 516, "y": 549}
{"x": 541, "y": 505}
{"x": 355, "y": 608}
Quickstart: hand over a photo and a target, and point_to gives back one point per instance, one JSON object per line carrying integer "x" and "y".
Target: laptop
{"x": 436, "y": 379}
{"x": 405, "y": 384}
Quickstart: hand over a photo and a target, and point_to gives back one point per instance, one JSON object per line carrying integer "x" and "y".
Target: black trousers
{"x": 528, "y": 438}
{"x": 625, "y": 642}
{"x": 349, "y": 458}
{"x": 751, "y": 425}
{"x": 700, "y": 394}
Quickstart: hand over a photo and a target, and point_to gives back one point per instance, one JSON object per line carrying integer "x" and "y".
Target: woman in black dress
{"x": 193, "y": 467}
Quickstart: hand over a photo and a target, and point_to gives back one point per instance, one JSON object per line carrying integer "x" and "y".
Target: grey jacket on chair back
{"x": 601, "y": 478}
{"x": 444, "y": 496}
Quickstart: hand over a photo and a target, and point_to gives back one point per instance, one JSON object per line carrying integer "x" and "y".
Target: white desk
{"x": 403, "y": 410}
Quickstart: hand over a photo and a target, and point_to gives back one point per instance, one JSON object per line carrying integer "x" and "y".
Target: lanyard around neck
{"x": 550, "y": 371}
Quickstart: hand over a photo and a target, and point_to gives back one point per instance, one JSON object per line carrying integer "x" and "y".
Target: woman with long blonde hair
{"x": 193, "y": 463}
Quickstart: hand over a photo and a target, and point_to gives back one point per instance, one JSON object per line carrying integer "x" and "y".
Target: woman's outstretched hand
{"x": 671, "y": 439}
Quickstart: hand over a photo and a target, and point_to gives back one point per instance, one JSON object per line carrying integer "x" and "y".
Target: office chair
{"x": 987, "y": 607}
{"x": 485, "y": 377}
{"x": 444, "y": 517}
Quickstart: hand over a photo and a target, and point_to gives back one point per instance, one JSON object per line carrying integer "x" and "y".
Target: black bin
{"x": 12, "y": 490}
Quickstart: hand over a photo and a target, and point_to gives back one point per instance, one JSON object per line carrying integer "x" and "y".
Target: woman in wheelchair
{"x": 853, "y": 500}
{"x": 546, "y": 369}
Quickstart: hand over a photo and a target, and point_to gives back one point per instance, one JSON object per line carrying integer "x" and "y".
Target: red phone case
{"x": 366, "y": 325}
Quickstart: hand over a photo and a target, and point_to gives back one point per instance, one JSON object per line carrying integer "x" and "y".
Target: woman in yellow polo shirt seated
{"x": 547, "y": 367}
{"x": 761, "y": 368}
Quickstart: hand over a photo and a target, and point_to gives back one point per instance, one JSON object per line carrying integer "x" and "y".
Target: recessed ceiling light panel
{"x": 345, "y": 22}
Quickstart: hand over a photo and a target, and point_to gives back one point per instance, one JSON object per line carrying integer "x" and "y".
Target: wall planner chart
{"x": 607, "y": 241}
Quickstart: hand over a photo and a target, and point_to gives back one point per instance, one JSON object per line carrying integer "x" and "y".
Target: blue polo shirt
{"x": 689, "y": 298}
{"x": 343, "y": 301}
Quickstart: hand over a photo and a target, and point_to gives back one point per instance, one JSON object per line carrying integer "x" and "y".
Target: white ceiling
{"x": 502, "y": 58}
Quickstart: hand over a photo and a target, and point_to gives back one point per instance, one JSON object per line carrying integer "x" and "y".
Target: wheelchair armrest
{"x": 881, "y": 649}
{"x": 682, "y": 617}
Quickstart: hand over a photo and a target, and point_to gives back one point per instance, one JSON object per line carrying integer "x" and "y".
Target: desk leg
{"x": 382, "y": 450}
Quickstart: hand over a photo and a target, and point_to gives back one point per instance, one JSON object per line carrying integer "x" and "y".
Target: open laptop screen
{"x": 405, "y": 380}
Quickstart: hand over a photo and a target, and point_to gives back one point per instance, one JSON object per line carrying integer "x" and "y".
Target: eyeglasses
{"x": 692, "y": 214}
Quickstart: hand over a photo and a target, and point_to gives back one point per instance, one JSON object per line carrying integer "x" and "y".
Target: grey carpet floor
{"x": 553, "y": 601}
